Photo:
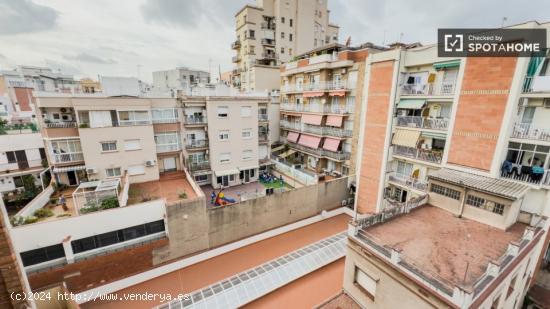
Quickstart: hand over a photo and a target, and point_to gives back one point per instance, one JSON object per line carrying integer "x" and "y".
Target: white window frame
{"x": 126, "y": 148}
{"x": 113, "y": 169}
{"x": 140, "y": 170}
{"x": 246, "y": 111}
{"x": 222, "y": 158}
{"x": 222, "y": 115}
{"x": 109, "y": 144}
{"x": 223, "y": 135}
{"x": 244, "y": 133}
{"x": 248, "y": 154}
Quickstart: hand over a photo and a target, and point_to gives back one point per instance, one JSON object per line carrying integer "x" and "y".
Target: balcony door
{"x": 21, "y": 158}
{"x": 528, "y": 115}
{"x": 169, "y": 164}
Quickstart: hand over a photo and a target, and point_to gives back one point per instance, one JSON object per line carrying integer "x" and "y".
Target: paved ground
{"x": 234, "y": 192}
{"x": 169, "y": 186}
{"x": 321, "y": 286}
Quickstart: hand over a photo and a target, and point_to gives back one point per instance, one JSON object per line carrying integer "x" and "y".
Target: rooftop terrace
{"x": 170, "y": 186}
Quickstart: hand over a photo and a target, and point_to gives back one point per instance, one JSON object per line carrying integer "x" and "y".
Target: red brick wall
{"x": 481, "y": 106}
{"x": 378, "y": 109}
{"x": 99, "y": 270}
{"x": 24, "y": 98}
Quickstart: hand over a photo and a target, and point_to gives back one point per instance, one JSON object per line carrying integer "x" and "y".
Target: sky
{"x": 136, "y": 37}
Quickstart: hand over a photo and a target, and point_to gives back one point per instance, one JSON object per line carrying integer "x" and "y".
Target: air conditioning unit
{"x": 149, "y": 163}
{"x": 91, "y": 170}
{"x": 546, "y": 103}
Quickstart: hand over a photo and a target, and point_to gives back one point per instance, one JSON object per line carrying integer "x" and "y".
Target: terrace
{"x": 447, "y": 254}
{"x": 172, "y": 187}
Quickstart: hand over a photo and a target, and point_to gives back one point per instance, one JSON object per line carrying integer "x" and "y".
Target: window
{"x": 282, "y": 50}
{"x": 223, "y": 111}
{"x": 282, "y": 35}
{"x": 108, "y": 146}
{"x": 448, "y": 192}
{"x": 10, "y": 155}
{"x": 133, "y": 117}
{"x": 290, "y": 51}
{"x": 225, "y": 157}
{"x": 18, "y": 182}
{"x": 246, "y": 111}
{"x": 224, "y": 135}
{"x": 132, "y": 144}
{"x": 252, "y": 34}
{"x": 164, "y": 115}
{"x": 282, "y": 20}
{"x": 201, "y": 178}
{"x": 246, "y": 133}
{"x": 290, "y": 22}
{"x": 113, "y": 172}
{"x": 41, "y": 255}
{"x": 511, "y": 287}
{"x": 365, "y": 283}
{"x": 482, "y": 203}
{"x": 290, "y": 37}
{"x": 247, "y": 154}
{"x": 136, "y": 170}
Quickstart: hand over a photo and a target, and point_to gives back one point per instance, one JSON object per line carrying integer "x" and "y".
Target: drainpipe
{"x": 463, "y": 201}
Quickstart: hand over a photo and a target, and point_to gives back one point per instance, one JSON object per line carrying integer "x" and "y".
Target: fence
{"x": 299, "y": 175}
{"x": 38, "y": 202}
{"x": 390, "y": 210}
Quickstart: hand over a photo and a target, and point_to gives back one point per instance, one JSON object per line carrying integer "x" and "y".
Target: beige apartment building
{"x": 273, "y": 32}
{"x": 226, "y": 138}
{"x": 452, "y": 195}
{"x": 319, "y": 119}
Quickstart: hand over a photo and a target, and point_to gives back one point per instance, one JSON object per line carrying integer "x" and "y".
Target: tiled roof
{"x": 495, "y": 186}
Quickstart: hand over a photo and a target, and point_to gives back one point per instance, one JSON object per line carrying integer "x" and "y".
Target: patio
{"x": 170, "y": 186}
{"x": 235, "y": 192}
{"x": 57, "y": 209}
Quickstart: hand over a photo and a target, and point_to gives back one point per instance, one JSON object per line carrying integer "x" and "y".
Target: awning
{"x": 312, "y": 119}
{"x": 309, "y": 141}
{"x": 69, "y": 168}
{"x": 331, "y": 144}
{"x": 447, "y": 64}
{"x": 287, "y": 153}
{"x": 248, "y": 168}
{"x": 411, "y": 104}
{"x": 434, "y": 135}
{"x": 407, "y": 138}
{"x": 292, "y": 137}
{"x": 278, "y": 148}
{"x": 337, "y": 93}
{"x": 334, "y": 121}
{"x": 312, "y": 94}
{"x": 232, "y": 171}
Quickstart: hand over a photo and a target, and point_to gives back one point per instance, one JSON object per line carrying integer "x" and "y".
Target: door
{"x": 247, "y": 176}
{"x": 73, "y": 181}
{"x": 21, "y": 157}
{"x": 169, "y": 164}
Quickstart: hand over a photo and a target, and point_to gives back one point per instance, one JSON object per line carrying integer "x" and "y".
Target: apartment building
{"x": 319, "y": 120}
{"x": 180, "y": 78}
{"x": 226, "y": 138}
{"x": 450, "y": 146}
{"x": 273, "y": 32}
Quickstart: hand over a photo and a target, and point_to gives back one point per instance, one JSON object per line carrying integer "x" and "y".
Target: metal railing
{"x": 529, "y": 131}
{"x": 525, "y": 174}
{"x": 318, "y": 108}
{"x": 22, "y": 165}
{"x": 196, "y": 144}
{"x": 409, "y": 181}
{"x": 319, "y": 130}
{"x": 417, "y": 153}
{"x": 165, "y": 120}
{"x": 129, "y": 123}
{"x": 423, "y": 122}
{"x": 267, "y": 26}
{"x": 268, "y": 42}
{"x": 68, "y": 157}
{"x": 300, "y": 175}
{"x": 541, "y": 83}
{"x": 64, "y": 124}
{"x": 199, "y": 166}
{"x": 168, "y": 147}
{"x": 340, "y": 155}
{"x": 262, "y": 117}
{"x": 441, "y": 89}
{"x": 269, "y": 55}
{"x": 195, "y": 120}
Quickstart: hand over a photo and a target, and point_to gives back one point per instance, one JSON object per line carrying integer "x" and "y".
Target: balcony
{"x": 408, "y": 181}
{"x": 236, "y": 58}
{"x": 197, "y": 144}
{"x": 130, "y": 123}
{"x": 263, "y": 138}
{"x": 236, "y": 44}
{"x": 68, "y": 157}
{"x": 22, "y": 165}
{"x": 423, "y": 122}
{"x": 418, "y": 154}
{"x": 316, "y": 108}
{"x": 195, "y": 121}
{"x": 263, "y": 117}
{"x": 165, "y": 120}
{"x": 534, "y": 84}
{"x": 271, "y": 56}
{"x": 526, "y": 174}
{"x": 267, "y": 26}
{"x": 60, "y": 125}
{"x": 168, "y": 148}
{"x": 318, "y": 130}
{"x": 529, "y": 131}
{"x": 338, "y": 156}
{"x": 268, "y": 42}
{"x": 441, "y": 89}
{"x": 199, "y": 166}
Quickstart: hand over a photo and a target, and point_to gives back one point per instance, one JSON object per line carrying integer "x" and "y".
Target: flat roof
{"x": 494, "y": 186}
{"x": 444, "y": 246}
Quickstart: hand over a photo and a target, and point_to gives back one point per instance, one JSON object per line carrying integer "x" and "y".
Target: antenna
{"x": 504, "y": 19}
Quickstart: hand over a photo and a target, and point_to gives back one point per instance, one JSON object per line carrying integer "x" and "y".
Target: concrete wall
{"x": 192, "y": 227}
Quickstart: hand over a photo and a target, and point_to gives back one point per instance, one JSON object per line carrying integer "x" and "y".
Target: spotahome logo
{"x": 490, "y": 42}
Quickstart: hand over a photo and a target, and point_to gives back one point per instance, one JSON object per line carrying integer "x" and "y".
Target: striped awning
{"x": 292, "y": 137}
{"x": 313, "y": 94}
{"x": 447, "y": 64}
{"x": 334, "y": 121}
{"x": 337, "y": 93}
{"x": 407, "y": 138}
{"x": 411, "y": 104}
{"x": 309, "y": 141}
{"x": 64, "y": 169}
{"x": 287, "y": 153}
{"x": 331, "y": 144}
{"x": 312, "y": 119}
{"x": 434, "y": 135}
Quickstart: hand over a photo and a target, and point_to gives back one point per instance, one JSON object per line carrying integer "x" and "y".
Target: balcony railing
{"x": 319, "y": 130}
{"x": 195, "y": 120}
{"x": 165, "y": 120}
{"x": 64, "y": 124}
{"x": 262, "y": 117}
{"x": 340, "y": 155}
{"x": 262, "y": 138}
{"x": 196, "y": 144}
{"x": 529, "y": 131}
{"x": 22, "y": 165}
{"x": 236, "y": 44}
{"x": 68, "y": 157}
{"x": 536, "y": 84}
{"x": 199, "y": 166}
{"x": 168, "y": 147}
{"x": 409, "y": 181}
{"x": 269, "y": 55}
{"x": 268, "y": 42}
{"x": 442, "y": 89}
{"x": 417, "y": 153}
{"x": 129, "y": 123}
{"x": 236, "y": 58}
{"x": 318, "y": 108}
{"x": 423, "y": 122}
{"x": 525, "y": 174}
{"x": 267, "y": 26}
